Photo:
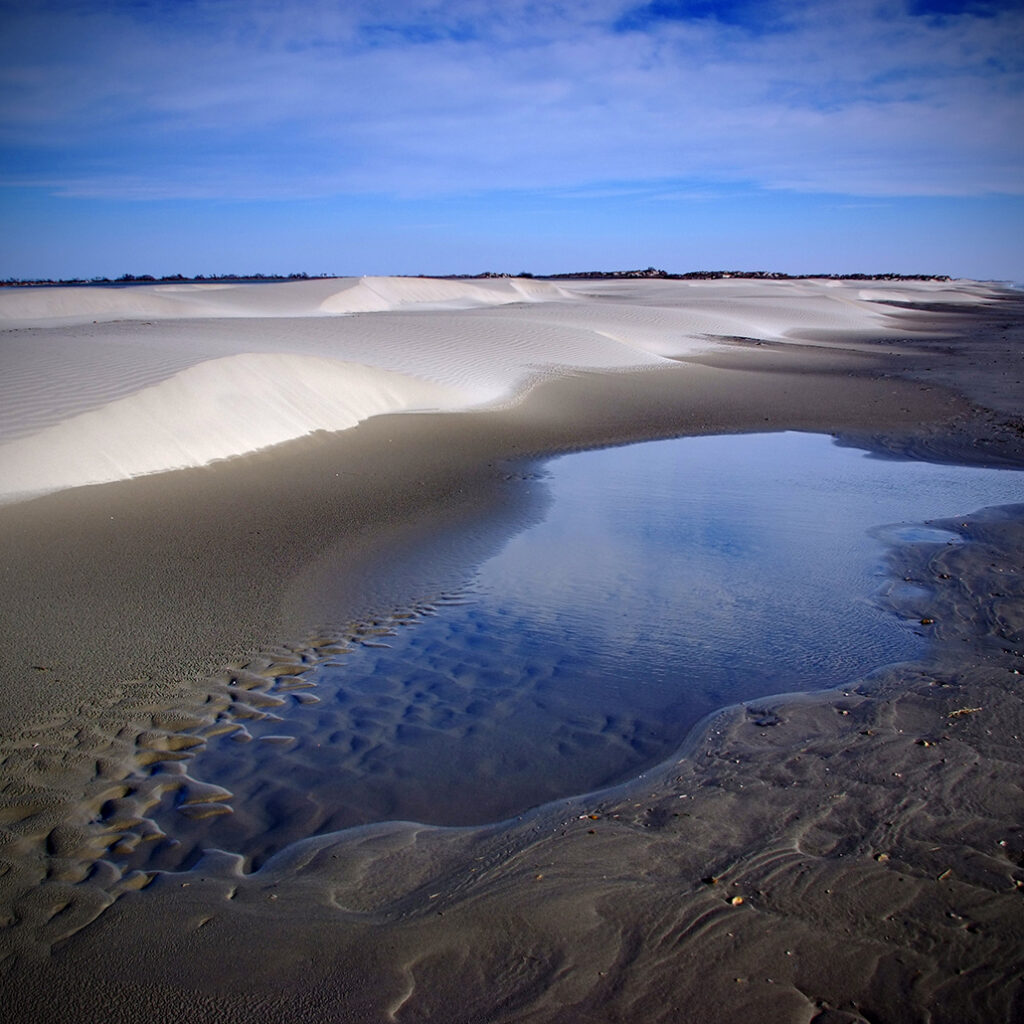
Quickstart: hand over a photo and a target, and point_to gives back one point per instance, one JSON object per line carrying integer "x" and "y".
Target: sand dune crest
{"x": 21, "y": 307}
{"x": 210, "y": 411}
{"x": 379, "y": 294}
{"x": 179, "y": 383}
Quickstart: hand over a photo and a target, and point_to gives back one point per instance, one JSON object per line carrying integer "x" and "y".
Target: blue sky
{"x": 208, "y": 136}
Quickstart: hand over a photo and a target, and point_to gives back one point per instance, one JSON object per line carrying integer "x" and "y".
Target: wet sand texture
{"x": 855, "y": 856}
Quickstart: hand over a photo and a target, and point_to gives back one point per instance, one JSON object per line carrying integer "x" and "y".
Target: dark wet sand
{"x": 873, "y": 836}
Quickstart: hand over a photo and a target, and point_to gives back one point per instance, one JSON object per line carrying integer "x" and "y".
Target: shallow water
{"x": 668, "y": 579}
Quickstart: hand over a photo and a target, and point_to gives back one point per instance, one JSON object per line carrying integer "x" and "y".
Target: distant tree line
{"x": 758, "y": 275}
{"x": 647, "y": 274}
{"x": 652, "y": 273}
{"x": 13, "y": 282}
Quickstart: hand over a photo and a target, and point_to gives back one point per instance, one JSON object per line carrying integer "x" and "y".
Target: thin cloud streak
{"x": 263, "y": 100}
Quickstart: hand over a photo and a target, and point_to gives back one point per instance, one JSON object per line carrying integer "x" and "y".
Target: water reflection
{"x": 668, "y": 579}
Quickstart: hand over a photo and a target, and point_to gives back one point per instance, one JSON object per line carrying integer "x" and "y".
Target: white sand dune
{"x": 23, "y": 307}
{"x": 54, "y": 373}
{"x": 378, "y": 294}
{"x": 218, "y": 408}
{"x": 772, "y": 310}
{"x": 47, "y": 379}
{"x": 119, "y": 601}
{"x": 102, "y": 384}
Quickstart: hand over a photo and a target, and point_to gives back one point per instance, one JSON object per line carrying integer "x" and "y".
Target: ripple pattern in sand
{"x": 579, "y": 656}
{"x": 448, "y": 714}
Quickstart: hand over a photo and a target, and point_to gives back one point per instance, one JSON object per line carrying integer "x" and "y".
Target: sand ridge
{"x": 212, "y": 410}
{"x": 827, "y": 863}
{"x": 179, "y": 396}
{"x": 26, "y": 307}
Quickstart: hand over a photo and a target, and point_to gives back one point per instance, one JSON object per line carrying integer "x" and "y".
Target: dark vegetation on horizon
{"x": 713, "y": 275}
{"x": 13, "y": 282}
{"x": 649, "y": 274}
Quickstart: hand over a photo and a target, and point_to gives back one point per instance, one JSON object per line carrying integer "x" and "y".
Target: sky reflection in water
{"x": 669, "y": 579}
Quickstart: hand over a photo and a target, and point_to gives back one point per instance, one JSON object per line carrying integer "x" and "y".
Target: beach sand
{"x": 852, "y": 856}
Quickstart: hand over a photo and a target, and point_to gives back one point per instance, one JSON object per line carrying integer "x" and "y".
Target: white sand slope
{"x": 23, "y": 307}
{"x": 102, "y": 384}
{"x": 216, "y": 409}
{"x": 377, "y": 294}
{"x": 763, "y": 309}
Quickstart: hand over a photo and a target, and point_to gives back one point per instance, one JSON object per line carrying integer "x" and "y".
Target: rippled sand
{"x": 843, "y": 855}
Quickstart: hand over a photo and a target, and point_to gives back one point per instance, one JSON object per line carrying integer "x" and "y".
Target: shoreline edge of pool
{"x": 850, "y": 855}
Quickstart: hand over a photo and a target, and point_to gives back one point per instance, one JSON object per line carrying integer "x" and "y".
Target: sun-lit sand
{"x": 99, "y": 406}
{"x": 199, "y": 482}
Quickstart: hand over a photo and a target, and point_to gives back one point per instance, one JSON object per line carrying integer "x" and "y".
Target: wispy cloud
{"x": 225, "y": 98}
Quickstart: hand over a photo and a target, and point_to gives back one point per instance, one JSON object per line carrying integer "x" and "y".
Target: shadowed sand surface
{"x": 855, "y": 855}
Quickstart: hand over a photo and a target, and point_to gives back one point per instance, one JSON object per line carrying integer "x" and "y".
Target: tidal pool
{"x": 668, "y": 579}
